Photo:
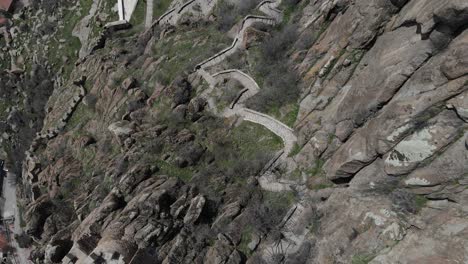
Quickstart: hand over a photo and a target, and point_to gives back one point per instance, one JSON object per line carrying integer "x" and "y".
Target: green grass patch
{"x": 186, "y": 49}
{"x": 296, "y": 175}
{"x": 290, "y": 118}
{"x": 279, "y": 200}
{"x": 362, "y": 258}
{"x": 296, "y": 149}
{"x": 72, "y": 45}
{"x": 4, "y": 104}
{"x": 420, "y": 201}
{"x": 289, "y": 9}
{"x": 246, "y": 237}
{"x": 250, "y": 138}
{"x": 80, "y": 116}
{"x": 185, "y": 174}
{"x": 139, "y": 14}
{"x": 287, "y": 13}
{"x": 160, "y": 7}
{"x": 20, "y": 213}
{"x": 253, "y": 59}
{"x": 317, "y": 169}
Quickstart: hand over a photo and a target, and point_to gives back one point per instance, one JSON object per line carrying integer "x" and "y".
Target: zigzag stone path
{"x": 29, "y": 175}
{"x": 237, "y": 108}
{"x": 237, "y": 42}
{"x": 267, "y": 180}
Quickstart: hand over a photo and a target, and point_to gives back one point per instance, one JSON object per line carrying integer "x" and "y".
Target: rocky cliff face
{"x": 240, "y": 131}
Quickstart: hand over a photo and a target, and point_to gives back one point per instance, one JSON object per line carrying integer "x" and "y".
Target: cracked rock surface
{"x": 236, "y": 131}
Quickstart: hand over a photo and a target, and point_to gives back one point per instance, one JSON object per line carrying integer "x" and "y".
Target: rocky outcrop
{"x": 154, "y": 166}
{"x": 32, "y": 164}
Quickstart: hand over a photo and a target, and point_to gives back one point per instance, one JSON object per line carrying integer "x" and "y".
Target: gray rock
{"x": 195, "y": 209}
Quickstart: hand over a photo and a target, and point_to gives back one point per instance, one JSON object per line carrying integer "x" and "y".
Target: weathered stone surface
{"x": 121, "y": 129}
{"x": 382, "y": 107}
{"x": 423, "y": 143}
{"x": 460, "y": 105}
{"x": 421, "y": 245}
{"x": 448, "y": 166}
{"x": 382, "y": 71}
{"x": 222, "y": 253}
{"x": 409, "y": 106}
{"x": 195, "y": 210}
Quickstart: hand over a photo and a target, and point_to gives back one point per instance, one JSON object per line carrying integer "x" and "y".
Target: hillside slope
{"x": 238, "y": 131}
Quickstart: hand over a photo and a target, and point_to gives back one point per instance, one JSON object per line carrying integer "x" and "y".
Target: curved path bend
{"x": 267, "y": 179}
{"x": 270, "y": 8}
{"x": 283, "y": 131}
{"x": 244, "y": 79}
{"x": 275, "y": 126}
{"x": 237, "y": 42}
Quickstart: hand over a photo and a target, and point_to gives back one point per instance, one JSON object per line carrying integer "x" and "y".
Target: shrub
{"x": 182, "y": 91}
{"x": 280, "y": 83}
{"x": 226, "y": 16}
{"x": 407, "y": 202}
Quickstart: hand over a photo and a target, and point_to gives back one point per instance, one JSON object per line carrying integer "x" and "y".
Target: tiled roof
{"x": 5, "y": 4}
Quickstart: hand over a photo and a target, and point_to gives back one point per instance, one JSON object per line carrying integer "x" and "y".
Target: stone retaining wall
{"x": 32, "y": 164}
{"x": 220, "y": 56}
{"x": 275, "y": 126}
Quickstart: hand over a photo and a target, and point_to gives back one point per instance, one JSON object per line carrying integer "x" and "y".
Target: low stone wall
{"x": 172, "y": 15}
{"x": 251, "y": 87}
{"x": 241, "y": 77}
{"x": 32, "y": 164}
{"x": 275, "y": 126}
{"x": 223, "y": 54}
{"x": 270, "y": 8}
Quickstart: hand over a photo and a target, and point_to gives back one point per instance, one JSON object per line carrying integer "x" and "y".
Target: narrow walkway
{"x": 275, "y": 126}
{"x": 269, "y": 7}
{"x": 237, "y": 42}
{"x": 41, "y": 138}
{"x": 149, "y": 13}
{"x": 237, "y": 108}
{"x": 243, "y": 78}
